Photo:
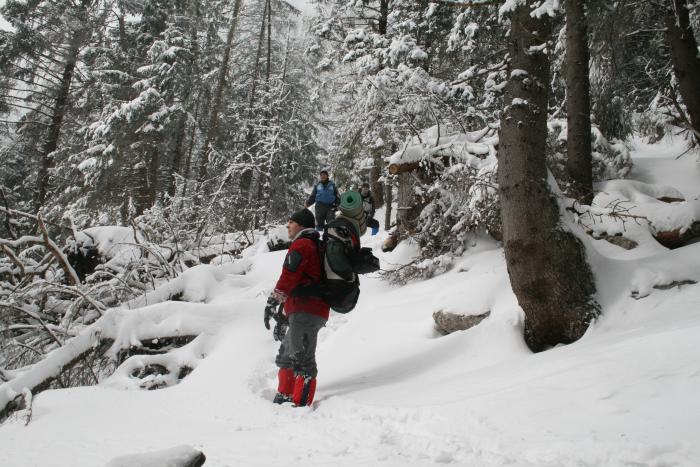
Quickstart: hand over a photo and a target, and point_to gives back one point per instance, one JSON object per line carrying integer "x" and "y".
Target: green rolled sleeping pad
{"x": 351, "y": 208}
{"x": 351, "y": 204}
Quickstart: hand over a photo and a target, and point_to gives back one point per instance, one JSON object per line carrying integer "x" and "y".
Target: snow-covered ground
{"x": 392, "y": 392}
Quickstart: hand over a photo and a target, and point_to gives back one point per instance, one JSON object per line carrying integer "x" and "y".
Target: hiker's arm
{"x": 312, "y": 198}
{"x": 292, "y": 271}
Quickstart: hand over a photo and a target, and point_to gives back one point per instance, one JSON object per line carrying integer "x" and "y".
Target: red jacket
{"x": 302, "y": 266}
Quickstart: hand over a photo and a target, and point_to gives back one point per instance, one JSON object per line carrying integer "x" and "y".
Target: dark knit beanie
{"x": 304, "y": 218}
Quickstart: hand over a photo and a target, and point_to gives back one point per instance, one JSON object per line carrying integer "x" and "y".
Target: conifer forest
{"x": 534, "y": 171}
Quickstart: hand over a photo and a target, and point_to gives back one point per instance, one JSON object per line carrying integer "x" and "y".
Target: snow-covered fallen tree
{"x": 143, "y": 343}
{"x": 59, "y": 289}
{"x": 149, "y": 347}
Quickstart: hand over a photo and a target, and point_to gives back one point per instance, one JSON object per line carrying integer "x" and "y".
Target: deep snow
{"x": 392, "y": 392}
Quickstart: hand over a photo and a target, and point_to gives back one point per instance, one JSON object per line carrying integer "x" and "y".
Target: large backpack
{"x": 342, "y": 261}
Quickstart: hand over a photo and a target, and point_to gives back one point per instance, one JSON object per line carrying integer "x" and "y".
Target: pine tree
{"x": 40, "y": 60}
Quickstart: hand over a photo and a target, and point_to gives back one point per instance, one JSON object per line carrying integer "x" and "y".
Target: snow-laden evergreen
{"x": 534, "y": 165}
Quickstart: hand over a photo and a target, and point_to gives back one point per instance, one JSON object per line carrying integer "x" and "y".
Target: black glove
{"x": 270, "y": 310}
{"x": 364, "y": 262}
{"x": 281, "y": 326}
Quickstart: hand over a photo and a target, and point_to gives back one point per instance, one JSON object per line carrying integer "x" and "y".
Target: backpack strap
{"x": 315, "y": 287}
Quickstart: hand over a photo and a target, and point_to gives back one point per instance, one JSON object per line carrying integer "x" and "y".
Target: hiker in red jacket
{"x": 304, "y": 316}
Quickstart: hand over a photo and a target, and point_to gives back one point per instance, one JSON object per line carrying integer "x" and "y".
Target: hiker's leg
{"x": 304, "y": 356}
{"x": 321, "y": 212}
{"x": 330, "y": 215}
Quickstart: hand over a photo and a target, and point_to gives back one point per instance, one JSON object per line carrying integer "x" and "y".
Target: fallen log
{"x": 677, "y": 238}
{"x": 117, "y": 330}
{"x": 44, "y": 373}
{"x": 395, "y": 169}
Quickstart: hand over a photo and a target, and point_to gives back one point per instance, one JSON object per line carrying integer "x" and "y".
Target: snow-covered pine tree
{"x": 42, "y": 68}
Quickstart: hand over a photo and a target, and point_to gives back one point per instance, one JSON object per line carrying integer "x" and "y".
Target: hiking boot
{"x": 285, "y": 386}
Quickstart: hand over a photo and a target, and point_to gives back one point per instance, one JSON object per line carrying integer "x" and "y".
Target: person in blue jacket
{"x": 326, "y": 197}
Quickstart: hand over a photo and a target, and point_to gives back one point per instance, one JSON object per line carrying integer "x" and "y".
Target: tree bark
{"x": 218, "y": 94}
{"x": 178, "y": 153}
{"x": 153, "y": 185}
{"x": 121, "y": 21}
{"x": 190, "y": 150}
{"x": 269, "y": 43}
{"x": 547, "y": 265}
{"x": 376, "y": 186}
{"x": 408, "y": 209}
{"x": 579, "y": 165}
{"x": 383, "y": 16}
{"x": 375, "y": 174}
{"x": 389, "y": 198}
{"x": 685, "y": 59}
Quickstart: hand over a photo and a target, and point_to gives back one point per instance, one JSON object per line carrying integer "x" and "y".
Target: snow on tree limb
{"x": 118, "y": 329}
{"x": 71, "y": 276}
{"x": 545, "y": 7}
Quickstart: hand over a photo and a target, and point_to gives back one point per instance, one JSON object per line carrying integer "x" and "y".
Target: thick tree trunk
{"x": 218, "y": 95}
{"x": 685, "y": 59}
{"x": 578, "y": 102}
{"x": 408, "y": 208}
{"x": 546, "y": 265}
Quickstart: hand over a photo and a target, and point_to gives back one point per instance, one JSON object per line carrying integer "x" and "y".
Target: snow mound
{"x": 180, "y": 456}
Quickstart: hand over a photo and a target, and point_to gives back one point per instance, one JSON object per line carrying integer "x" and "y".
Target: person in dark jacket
{"x": 302, "y": 318}
{"x": 326, "y": 198}
{"x": 369, "y": 208}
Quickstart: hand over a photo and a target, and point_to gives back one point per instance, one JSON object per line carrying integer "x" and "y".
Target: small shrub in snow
{"x": 421, "y": 269}
{"x": 611, "y": 158}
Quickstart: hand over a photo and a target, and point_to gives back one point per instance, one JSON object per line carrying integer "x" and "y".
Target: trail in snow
{"x": 392, "y": 392}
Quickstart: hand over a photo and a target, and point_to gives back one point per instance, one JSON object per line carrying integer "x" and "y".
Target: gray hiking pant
{"x": 298, "y": 348}
{"x": 324, "y": 214}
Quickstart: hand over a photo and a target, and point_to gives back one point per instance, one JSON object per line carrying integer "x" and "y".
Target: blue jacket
{"x": 324, "y": 193}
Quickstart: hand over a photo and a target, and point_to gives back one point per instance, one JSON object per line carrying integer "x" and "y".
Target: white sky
{"x": 3, "y": 24}
{"x": 307, "y": 9}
